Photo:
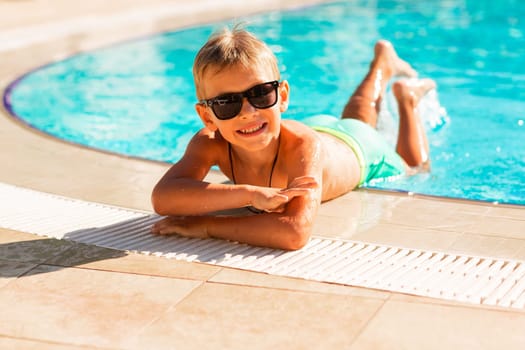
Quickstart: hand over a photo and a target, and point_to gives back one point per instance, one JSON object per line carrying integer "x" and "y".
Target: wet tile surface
{"x": 499, "y": 227}
{"x": 407, "y": 236}
{"x": 497, "y": 247}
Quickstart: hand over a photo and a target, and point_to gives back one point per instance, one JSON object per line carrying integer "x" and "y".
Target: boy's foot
{"x": 410, "y": 91}
{"x": 412, "y": 143}
{"x": 394, "y": 66}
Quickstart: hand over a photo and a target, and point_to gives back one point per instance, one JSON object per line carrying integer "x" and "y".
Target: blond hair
{"x": 229, "y": 48}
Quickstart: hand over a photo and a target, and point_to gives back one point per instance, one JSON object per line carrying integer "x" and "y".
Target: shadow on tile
{"x": 51, "y": 251}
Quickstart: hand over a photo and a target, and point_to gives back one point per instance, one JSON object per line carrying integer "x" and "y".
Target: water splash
{"x": 433, "y": 115}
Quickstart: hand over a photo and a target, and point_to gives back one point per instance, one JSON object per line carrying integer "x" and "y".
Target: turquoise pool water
{"x": 137, "y": 98}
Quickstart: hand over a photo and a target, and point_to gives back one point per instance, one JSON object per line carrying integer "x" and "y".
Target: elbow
{"x": 297, "y": 242}
{"x": 298, "y": 237}
{"x": 159, "y": 210}
{"x": 158, "y": 204}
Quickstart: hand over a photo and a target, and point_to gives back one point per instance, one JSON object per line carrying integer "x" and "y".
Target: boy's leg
{"x": 412, "y": 144}
{"x": 365, "y": 101}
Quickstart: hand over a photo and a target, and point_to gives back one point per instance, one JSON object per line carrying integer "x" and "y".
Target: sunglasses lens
{"x": 263, "y": 95}
{"x": 260, "y": 96}
{"x": 227, "y": 106}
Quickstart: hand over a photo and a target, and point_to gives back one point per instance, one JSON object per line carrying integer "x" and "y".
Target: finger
{"x": 277, "y": 200}
{"x": 167, "y": 231}
{"x": 164, "y": 227}
{"x": 280, "y": 199}
{"x": 304, "y": 177}
{"x": 156, "y": 227}
{"x": 303, "y": 181}
{"x": 307, "y": 185}
{"x": 295, "y": 192}
{"x": 279, "y": 209}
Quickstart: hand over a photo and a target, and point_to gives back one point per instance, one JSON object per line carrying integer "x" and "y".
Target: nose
{"x": 247, "y": 108}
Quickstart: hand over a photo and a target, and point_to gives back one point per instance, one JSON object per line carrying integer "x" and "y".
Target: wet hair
{"x": 229, "y": 48}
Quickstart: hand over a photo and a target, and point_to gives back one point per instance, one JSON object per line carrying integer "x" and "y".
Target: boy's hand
{"x": 186, "y": 226}
{"x": 274, "y": 200}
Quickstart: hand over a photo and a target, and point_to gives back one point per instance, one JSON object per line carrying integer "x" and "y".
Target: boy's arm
{"x": 288, "y": 230}
{"x": 182, "y": 191}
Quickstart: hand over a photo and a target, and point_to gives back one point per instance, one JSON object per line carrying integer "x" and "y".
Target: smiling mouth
{"x": 252, "y": 130}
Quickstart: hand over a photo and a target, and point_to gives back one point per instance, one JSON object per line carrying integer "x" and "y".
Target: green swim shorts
{"x": 378, "y": 159}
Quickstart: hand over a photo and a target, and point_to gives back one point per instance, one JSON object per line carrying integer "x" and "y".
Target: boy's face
{"x": 252, "y": 128}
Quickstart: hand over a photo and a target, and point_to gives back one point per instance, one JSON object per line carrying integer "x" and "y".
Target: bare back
{"x": 341, "y": 171}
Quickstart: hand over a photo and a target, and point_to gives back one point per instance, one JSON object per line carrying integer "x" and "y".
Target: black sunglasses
{"x": 228, "y": 106}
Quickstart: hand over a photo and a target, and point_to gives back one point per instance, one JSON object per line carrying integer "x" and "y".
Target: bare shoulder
{"x": 300, "y": 137}
{"x": 206, "y": 142}
{"x": 207, "y": 136}
{"x": 302, "y": 144}
{"x": 299, "y": 132}
{"x": 205, "y": 149}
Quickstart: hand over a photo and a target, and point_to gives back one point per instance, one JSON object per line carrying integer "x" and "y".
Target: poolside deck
{"x": 64, "y": 295}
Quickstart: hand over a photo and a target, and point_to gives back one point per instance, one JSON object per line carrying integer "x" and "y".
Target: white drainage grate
{"x": 473, "y": 279}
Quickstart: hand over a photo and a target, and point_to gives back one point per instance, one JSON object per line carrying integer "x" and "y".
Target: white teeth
{"x": 249, "y": 131}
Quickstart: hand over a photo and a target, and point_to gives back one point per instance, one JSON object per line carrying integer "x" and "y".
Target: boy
{"x": 281, "y": 168}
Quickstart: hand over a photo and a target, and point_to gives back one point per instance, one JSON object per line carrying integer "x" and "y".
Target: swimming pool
{"x": 137, "y": 98}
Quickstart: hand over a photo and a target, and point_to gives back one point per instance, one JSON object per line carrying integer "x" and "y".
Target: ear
{"x": 205, "y": 115}
{"x": 284, "y": 94}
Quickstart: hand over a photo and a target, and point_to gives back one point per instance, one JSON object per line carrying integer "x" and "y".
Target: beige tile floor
{"x": 64, "y": 295}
